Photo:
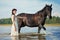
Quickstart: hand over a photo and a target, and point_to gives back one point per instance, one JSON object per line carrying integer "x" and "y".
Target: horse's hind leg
{"x": 19, "y": 28}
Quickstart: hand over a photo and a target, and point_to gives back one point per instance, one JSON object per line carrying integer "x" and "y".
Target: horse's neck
{"x": 43, "y": 13}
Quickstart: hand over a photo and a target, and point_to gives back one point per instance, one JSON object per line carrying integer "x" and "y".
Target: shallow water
{"x": 52, "y": 33}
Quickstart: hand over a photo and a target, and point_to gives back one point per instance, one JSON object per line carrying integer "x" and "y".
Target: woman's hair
{"x": 13, "y": 10}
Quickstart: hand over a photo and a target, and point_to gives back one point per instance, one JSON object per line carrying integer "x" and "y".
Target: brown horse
{"x": 34, "y": 20}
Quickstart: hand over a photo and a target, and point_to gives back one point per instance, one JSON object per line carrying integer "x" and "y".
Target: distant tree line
{"x": 6, "y": 21}
{"x": 54, "y": 20}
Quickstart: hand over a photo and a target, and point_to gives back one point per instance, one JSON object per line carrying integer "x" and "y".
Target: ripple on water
{"x": 5, "y": 34}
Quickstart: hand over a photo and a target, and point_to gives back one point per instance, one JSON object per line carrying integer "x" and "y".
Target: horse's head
{"x": 48, "y": 10}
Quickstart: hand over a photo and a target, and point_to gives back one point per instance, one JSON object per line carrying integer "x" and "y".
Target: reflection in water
{"x": 14, "y": 38}
{"x": 4, "y": 35}
{"x": 39, "y": 37}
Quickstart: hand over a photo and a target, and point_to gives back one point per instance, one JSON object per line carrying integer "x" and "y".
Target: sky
{"x": 27, "y": 6}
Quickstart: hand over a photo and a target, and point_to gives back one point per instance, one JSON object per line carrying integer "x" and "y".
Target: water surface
{"x": 53, "y": 33}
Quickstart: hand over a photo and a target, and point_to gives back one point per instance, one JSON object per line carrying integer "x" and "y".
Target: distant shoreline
{"x": 52, "y": 25}
{"x": 5, "y": 24}
{"x": 44, "y": 25}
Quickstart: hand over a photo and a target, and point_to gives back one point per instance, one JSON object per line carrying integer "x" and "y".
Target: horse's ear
{"x": 51, "y": 5}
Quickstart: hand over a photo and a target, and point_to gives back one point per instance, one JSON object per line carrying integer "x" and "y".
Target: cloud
{"x": 29, "y": 6}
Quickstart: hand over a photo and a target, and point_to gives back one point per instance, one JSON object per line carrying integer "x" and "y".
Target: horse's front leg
{"x": 39, "y": 28}
{"x": 19, "y": 27}
{"x": 43, "y": 27}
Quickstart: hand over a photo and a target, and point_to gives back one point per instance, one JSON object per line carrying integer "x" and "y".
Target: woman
{"x": 13, "y": 29}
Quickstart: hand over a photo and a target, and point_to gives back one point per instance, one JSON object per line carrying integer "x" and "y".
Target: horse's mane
{"x": 41, "y": 10}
